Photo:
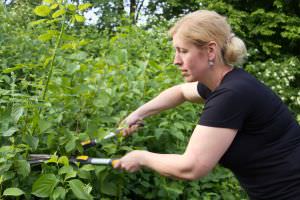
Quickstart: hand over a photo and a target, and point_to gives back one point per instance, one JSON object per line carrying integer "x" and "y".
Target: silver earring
{"x": 210, "y": 63}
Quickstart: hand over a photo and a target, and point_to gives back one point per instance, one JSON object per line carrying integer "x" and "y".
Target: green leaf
{"x": 80, "y": 56}
{"x": 10, "y": 132}
{"x": 59, "y": 193}
{"x": 31, "y": 141}
{"x": 84, "y": 174}
{"x": 65, "y": 170}
{"x": 87, "y": 167}
{"x": 49, "y": 35}
{"x": 79, "y": 18}
{"x": 34, "y": 23}
{"x": 54, "y": 6}
{"x": 70, "y": 146}
{"x": 22, "y": 167}
{"x": 71, "y": 7}
{"x": 11, "y": 69}
{"x": 69, "y": 175}
{"x": 42, "y": 10}
{"x": 58, "y": 13}
{"x": 48, "y": 1}
{"x": 84, "y": 6}
{"x": 44, "y": 125}
{"x": 44, "y": 185}
{"x": 13, "y": 192}
{"x": 72, "y": 68}
{"x": 108, "y": 186}
{"x": 17, "y": 113}
{"x": 53, "y": 159}
{"x": 63, "y": 160}
{"x": 79, "y": 189}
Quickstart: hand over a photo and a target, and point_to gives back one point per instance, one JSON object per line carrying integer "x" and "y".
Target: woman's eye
{"x": 183, "y": 51}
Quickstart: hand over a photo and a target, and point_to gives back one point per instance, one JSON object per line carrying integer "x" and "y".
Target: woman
{"x": 244, "y": 125}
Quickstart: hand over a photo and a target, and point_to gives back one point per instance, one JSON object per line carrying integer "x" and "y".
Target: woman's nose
{"x": 177, "y": 60}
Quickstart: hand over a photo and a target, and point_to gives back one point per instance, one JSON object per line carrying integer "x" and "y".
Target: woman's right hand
{"x": 131, "y": 124}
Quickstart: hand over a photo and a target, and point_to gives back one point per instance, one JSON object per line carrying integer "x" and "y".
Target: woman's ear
{"x": 212, "y": 50}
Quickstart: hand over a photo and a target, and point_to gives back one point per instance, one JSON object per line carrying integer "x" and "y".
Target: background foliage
{"x": 63, "y": 81}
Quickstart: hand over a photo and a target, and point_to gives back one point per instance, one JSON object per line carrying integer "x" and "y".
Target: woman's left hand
{"x": 131, "y": 162}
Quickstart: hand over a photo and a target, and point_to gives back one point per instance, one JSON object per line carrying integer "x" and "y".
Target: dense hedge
{"x": 63, "y": 82}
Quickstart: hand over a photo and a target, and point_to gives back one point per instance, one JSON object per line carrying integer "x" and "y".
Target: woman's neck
{"x": 216, "y": 76}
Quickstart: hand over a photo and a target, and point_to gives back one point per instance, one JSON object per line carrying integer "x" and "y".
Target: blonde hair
{"x": 203, "y": 26}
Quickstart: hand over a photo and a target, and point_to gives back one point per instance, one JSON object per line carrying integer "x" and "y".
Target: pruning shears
{"x": 34, "y": 159}
{"x": 93, "y": 142}
{"x": 118, "y": 133}
{"x": 83, "y": 159}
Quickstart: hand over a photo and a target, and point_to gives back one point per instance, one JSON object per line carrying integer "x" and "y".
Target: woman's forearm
{"x": 174, "y": 165}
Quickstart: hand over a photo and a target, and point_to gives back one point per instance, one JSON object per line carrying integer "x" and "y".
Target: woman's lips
{"x": 184, "y": 73}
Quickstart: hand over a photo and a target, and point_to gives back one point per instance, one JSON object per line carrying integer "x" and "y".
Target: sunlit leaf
{"x": 71, "y": 7}
{"x": 63, "y": 160}
{"x": 13, "y": 192}
{"x": 84, "y": 6}
{"x": 42, "y": 10}
{"x": 34, "y": 23}
{"x": 48, "y": 1}
{"x": 58, "y": 13}
{"x": 10, "y": 132}
{"x": 79, "y": 18}
{"x": 54, "y": 6}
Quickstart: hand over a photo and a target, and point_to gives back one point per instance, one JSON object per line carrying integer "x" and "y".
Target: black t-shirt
{"x": 265, "y": 154}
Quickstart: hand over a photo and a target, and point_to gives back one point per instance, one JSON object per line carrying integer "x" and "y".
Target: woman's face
{"x": 191, "y": 60}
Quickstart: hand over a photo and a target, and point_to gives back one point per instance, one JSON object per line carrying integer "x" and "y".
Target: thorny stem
{"x": 52, "y": 61}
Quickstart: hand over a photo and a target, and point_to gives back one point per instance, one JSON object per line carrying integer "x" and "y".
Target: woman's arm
{"x": 205, "y": 148}
{"x": 167, "y": 99}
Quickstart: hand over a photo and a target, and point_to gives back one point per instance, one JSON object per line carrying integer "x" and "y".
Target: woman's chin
{"x": 188, "y": 79}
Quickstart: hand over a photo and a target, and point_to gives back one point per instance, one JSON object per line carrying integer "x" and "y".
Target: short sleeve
{"x": 225, "y": 109}
{"x": 203, "y": 90}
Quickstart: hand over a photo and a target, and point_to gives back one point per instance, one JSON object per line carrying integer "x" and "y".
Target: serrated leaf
{"x": 65, "y": 170}
{"x": 69, "y": 175}
{"x": 45, "y": 37}
{"x": 44, "y": 185}
{"x": 13, "y": 192}
{"x": 70, "y": 146}
{"x": 81, "y": 55}
{"x": 79, "y": 18}
{"x": 53, "y": 159}
{"x": 10, "y": 132}
{"x": 63, "y": 160}
{"x": 37, "y": 22}
{"x": 22, "y": 167}
{"x": 11, "y": 69}
{"x": 17, "y": 112}
{"x": 72, "y": 68}
{"x": 71, "y": 7}
{"x": 78, "y": 188}
{"x": 87, "y": 168}
{"x": 42, "y": 10}
{"x": 31, "y": 141}
{"x": 84, "y": 6}
{"x": 59, "y": 193}
{"x": 44, "y": 125}
{"x": 48, "y": 1}
{"x": 58, "y": 13}
{"x": 54, "y": 6}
